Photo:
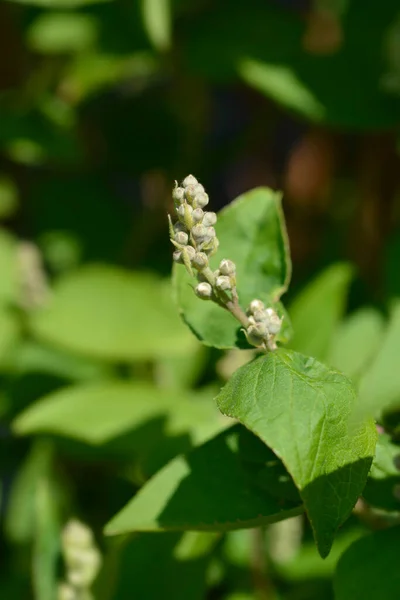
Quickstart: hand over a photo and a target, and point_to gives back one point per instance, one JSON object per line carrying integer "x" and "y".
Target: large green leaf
{"x": 301, "y": 409}
{"x": 369, "y": 569}
{"x": 97, "y": 413}
{"x": 384, "y": 476}
{"x": 356, "y": 341}
{"x": 317, "y": 310}
{"x": 110, "y": 313}
{"x": 231, "y": 482}
{"x": 263, "y": 44}
{"x": 380, "y": 385}
{"x": 251, "y": 232}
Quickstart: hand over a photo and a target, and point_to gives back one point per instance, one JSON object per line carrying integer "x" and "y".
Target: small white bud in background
{"x": 203, "y": 290}
{"x": 182, "y": 238}
{"x": 255, "y": 305}
{"x": 210, "y": 218}
{"x": 200, "y": 200}
{"x": 77, "y": 534}
{"x": 178, "y": 195}
{"x": 200, "y": 261}
{"x": 189, "y": 180}
{"x": 270, "y": 312}
{"x": 223, "y": 283}
{"x": 66, "y": 592}
{"x": 227, "y": 267}
{"x": 197, "y": 215}
{"x": 190, "y": 193}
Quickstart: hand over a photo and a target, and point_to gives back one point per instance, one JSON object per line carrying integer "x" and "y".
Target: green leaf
{"x": 97, "y": 413}
{"x": 113, "y": 314}
{"x": 355, "y": 342}
{"x": 215, "y": 487}
{"x": 58, "y": 32}
{"x": 59, "y": 3}
{"x": 264, "y": 45}
{"x": 8, "y": 197}
{"x": 20, "y": 516}
{"x": 8, "y": 267}
{"x": 251, "y": 232}
{"x": 380, "y": 386}
{"x": 152, "y": 567}
{"x": 317, "y": 310}
{"x": 301, "y": 409}
{"x": 9, "y": 333}
{"x": 384, "y": 476}
{"x": 157, "y": 22}
{"x": 368, "y": 570}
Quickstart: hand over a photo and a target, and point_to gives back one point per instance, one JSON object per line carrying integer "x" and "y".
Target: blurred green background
{"x": 103, "y": 104}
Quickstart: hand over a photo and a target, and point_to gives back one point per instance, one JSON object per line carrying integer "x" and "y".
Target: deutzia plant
{"x": 297, "y": 441}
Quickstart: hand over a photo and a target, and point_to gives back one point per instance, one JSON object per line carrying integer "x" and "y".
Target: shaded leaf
{"x": 58, "y": 32}
{"x": 369, "y": 568}
{"x": 113, "y": 314}
{"x": 380, "y": 385}
{"x": 384, "y": 476}
{"x": 212, "y": 488}
{"x": 157, "y": 22}
{"x": 356, "y": 341}
{"x": 251, "y": 232}
{"x": 97, "y": 413}
{"x": 301, "y": 409}
{"x": 317, "y": 310}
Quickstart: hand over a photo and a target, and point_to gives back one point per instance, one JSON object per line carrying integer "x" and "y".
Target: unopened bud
{"x": 254, "y": 336}
{"x": 200, "y": 200}
{"x": 227, "y": 267}
{"x": 189, "y": 180}
{"x": 199, "y": 233}
{"x": 255, "y": 305}
{"x": 197, "y": 215}
{"x": 190, "y": 193}
{"x": 177, "y": 257}
{"x": 178, "y": 195}
{"x": 77, "y": 534}
{"x": 189, "y": 251}
{"x": 66, "y": 592}
{"x": 260, "y": 316}
{"x": 274, "y": 324}
{"x": 203, "y": 290}
{"x": 210, "y": 233}
{"x": 200, "y": 261}
{"x": 223, "y": 283}
{"x": 184, "y": 212}
{"x": 210, "y": 218}
{"x": 182, "y": 238}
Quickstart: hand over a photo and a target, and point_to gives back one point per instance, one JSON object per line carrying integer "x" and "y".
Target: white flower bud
{"x": 254, "y": 337}
{"x": 181, "y": 238}
{"x": 190, "y": 251}
{"x": 178, "y": 195}
{"x": 190, "y": 193}
{"x": 260, "y": 316}
{"x": 83, "y": 567}
{"x": 182, "y": 209}
{"x": 189, "y": 180}
{"x": 179, "y": 227}
{"x": 255, "y": 305}
{"x": 200, "y": 200}
{"x": 274, "y": 324}
{"x": 66, "y": 592}
{"x": 203, "y": 290}
{"x": 210, "y": 233}
{"x": 200, "y": 261}
{"x": 223, "y": 283}
{"x": 77, "y": 534}
{"x": 210, "y": 218}
{"x": 227, "y": 267}
{"x": 177, "y": 257}
{"x": 199, "y": 233}
{"x": 197, "y": 215}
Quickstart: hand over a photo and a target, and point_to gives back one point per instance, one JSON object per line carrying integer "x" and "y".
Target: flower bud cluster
{"x": 264, "y": 325}
{"x": 82, "y": 561}
{"x": 193, "y": 235}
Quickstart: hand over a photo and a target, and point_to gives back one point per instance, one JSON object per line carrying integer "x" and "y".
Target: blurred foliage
{"x": 103, "y": 104}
